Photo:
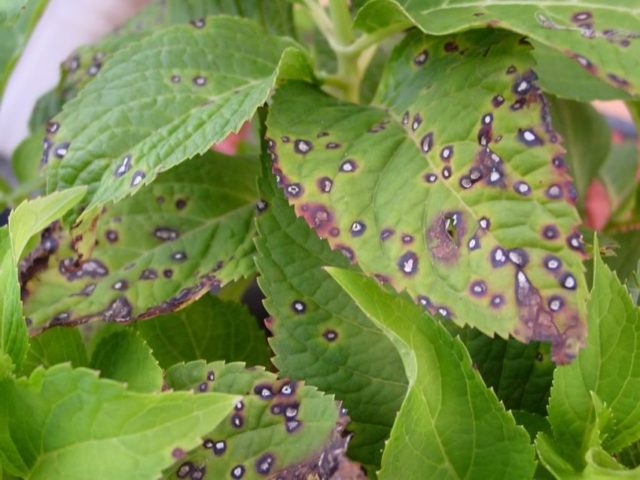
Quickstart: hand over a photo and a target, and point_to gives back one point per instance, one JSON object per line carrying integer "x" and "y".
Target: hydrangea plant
{"x": 403, "y": 212}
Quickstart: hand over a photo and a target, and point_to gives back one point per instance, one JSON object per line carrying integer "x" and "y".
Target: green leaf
{"x": 26, "y": 159}
{"x": 18, "y": 18}
{"x": 26, "y": 220}
{"x": 279, "y": 428}
{"x": 210, "y": 329}
{"x": 600, "y": 36}
{"x": 618, "y": 173}
{"x": 520, "y": 374}
{"x": 608, "y": 367}
{"x": 450, "y": 424}
{"x": 57, "y": 345}
{"x": 319, "y": 334}
{"x": 587, "y": 138}
{"x": 124, "y": 356}
{"x": 190, "y": 231}
{"x": 163, "y": 100}
{"x": 64, "y": 423}
{"x": 428, "y": 190}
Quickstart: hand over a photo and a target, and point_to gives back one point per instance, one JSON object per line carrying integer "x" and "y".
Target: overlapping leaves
{"x": 64, "y": 423}
{"x": 190, "y": 231}
{"x": 454, "y": 187}
{"x": 450, "y": 425}
{"x": 161, "y": 101}
{"x": 593, "y": 409}
{"x": 319, "y": 334}
{"x": 601, "y": 36}
{"x": 279, "y": 427}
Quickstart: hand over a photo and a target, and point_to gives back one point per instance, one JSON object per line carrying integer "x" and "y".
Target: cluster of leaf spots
{"x": 279, "y": 429}
{"x": 319, "y": 334}
{"x": 191, "y": 86}
{"x": 190, "y": 232}
{"x": 602, "y": 38}
{"x": 428, "y": 191}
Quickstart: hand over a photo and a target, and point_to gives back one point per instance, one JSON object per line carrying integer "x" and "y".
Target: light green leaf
{"x": 26, "y": 159}
{"x": 64, "y": 423}
{"x": 609, "y": 367}
{"x": 210, "y": 329}
{"x": 124, "y": 356}
{"x": 280, "y": 428}
{"x": 161, "y": 101}
{"x": 600, "y": 36}
{"x": 18, "y": 18}
{"x": 57, "y": 345}
{"x": 319, "y": 334}
{"x": 450, "y": 424}
{"x": 190, "y": 231}
{"x": 587, "y": 138}
{"x": 452, "y": 187}
{"x": 26, "y": 220}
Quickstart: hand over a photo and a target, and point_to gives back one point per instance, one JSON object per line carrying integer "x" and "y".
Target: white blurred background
{"x": 64, "y": 25}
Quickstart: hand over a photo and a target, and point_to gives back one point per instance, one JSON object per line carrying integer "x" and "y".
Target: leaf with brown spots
{"x": 455, "y": 188}
{"x": 602, "y": 37}
{"x": 279, "y": 427}
{"x": 159, "y": 102}
{"x": 165, "y": 247}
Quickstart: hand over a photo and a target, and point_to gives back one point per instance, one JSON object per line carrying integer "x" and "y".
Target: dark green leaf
{"x": 210, "y": 329}
{"x": 320, "y": 335}
{"x": 190, "y": 231}
{"x": 57, "y": 345}
{"x": 450, "y": 424}
{"x": 64, "y": 423}
{"x": 280, "y": 428}
{"x": 429, "y": 190}
{"x": 124, "y": 356}
{"x": 26, "y": 159}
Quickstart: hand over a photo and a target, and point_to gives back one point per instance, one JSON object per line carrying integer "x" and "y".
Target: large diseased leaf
{"x": 64, "y": 423}
{"x": 191, "y": 231}
{"x": 319, "y": 334}
{"x": 601, "y": 36}
{"x": 450, "y": 424}
{"x": 454, "y": 187}
{"x": 163, "y": 100}
{"x": 609, "y": 367}
{"x": 27, "y": 220}
{"x": 280, "y": 429}
{"x": 210, "y": 329}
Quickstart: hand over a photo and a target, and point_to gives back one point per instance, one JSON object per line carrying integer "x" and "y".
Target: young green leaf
{"x": 57, "y": 345}
{"x": 319, "y": 334}
{"x": 279, "y": 428}
{"x": 600, "y": 36}
{"x": 17, "y": 21}
{"x": 450, "y": 424}
{"x": 28, "y": 219}
{"x": 161, "y": 101}
{"x": 454, "y": 187}
{"x": 66, "y": 423}
{"x": 124, "y": 356}
{"x": 163, "y": 248}
{"x": 210, "y": 329}
{"x": 608, "y": 367}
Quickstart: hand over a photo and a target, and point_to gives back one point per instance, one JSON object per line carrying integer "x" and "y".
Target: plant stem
{"x": 347, "y": 61}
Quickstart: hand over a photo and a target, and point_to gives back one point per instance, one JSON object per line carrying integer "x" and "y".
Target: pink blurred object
{"x": 597, "y": 206}
{"x": 229, "y": 145}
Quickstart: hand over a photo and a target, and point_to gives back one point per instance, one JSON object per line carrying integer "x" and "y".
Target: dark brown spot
{"x": 264, "y": 464}
{"x": 386, "y": 233}
{"x": 167, "y": 273}
{"x": 358, "y": 228}
{"x": 181, "y": 203}
{"x": 199, "y": 81}
{"x": 444, "y": 236}
{"x": 166, "y": 234}
{"x": 421, "y": 58}
{"x": 348, "y": 166}
{"x": 298, "y": 306}
{"x": 302, "y": 147}
{"x": 451, "y": 47}
{"x": 198, "y": 23}
{"x": 118, "y": 311}
{"x": 408, "y": 263}
{"x": 318, "y": 217}
{"x": 497, "y": 101}
{"x": 550, "y": 232}
{"x": 148, "y": 274}
{"x": 185, "y": 470}
{"x": 111, "y": 236}
{"x": 478, "y": 288}
{"x": 176, "y": 78}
